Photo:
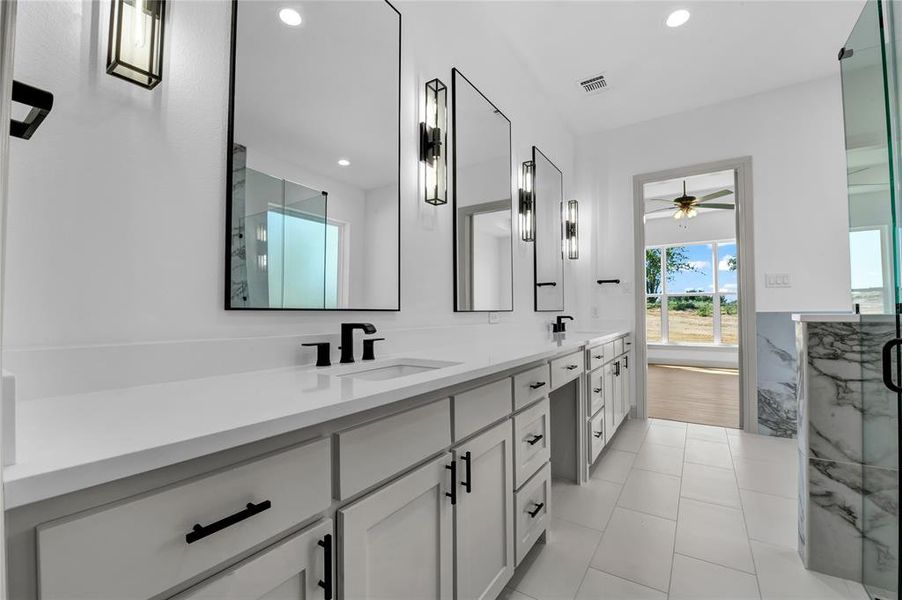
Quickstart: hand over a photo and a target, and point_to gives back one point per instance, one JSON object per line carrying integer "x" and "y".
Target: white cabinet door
{"x": 397, "y": 541}
{"x": 485, "y": 514}
{"x": 296, "y": 569}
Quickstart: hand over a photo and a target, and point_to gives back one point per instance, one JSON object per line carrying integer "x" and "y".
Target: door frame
{"x": 745, "y": 252}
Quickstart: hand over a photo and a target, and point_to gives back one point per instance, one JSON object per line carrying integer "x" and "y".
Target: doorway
{"x": 695, "y": 295}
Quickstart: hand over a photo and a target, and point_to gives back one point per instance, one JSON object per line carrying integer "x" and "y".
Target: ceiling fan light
{"x": 691, "y": 213}
{"x": 678, "y": 215}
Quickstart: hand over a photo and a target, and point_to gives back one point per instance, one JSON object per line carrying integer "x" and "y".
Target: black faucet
{"x": 347, "y": 339}
{"x": 559, "y": 326}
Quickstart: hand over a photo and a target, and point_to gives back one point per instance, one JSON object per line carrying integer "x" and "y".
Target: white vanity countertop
{"x": 68, "y": 443}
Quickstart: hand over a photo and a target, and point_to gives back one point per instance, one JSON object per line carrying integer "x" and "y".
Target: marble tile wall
{"x": 239, "y": 289}
{"x": 778, "y": 374}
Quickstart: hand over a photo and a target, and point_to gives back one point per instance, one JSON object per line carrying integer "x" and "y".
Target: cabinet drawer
{"x": 375, "y": 451}
{"x": 596, "y": 391}
{"x": 138, "y": 549}
{"x": 532, "y": 447}
{"x": 479, "y": 408}
{"x": 566, "y": 368}
{"x": 596, "y": 356}
{"x": 532, "y": 510}
{"x": 531, "y": 385}
{"x": 618, "y": 347}
{"x": 596, "y": 436}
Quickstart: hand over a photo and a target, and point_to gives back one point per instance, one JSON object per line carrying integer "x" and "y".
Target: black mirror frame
{"x": 455, "y": 73}
{"x": 230, "y": 140}
{"x": 535, "y": 245}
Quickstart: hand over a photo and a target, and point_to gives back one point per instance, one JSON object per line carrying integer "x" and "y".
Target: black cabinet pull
{"x": 888, "y": 364}
{"x": 453, "y": 493}
{"x": 626, "y": 362}
{"x": 40, "y": 101}
{"x": 547, "y": 283}
{"x": 467, "y": 485}
{"x": 534, "y": 512}
{"x": 617, "y": 369}
{"x": 598, "y": 356}
{"x": 536, "y": 385}
{"x": 326, "y": 582}
{"x": 596, "y": 390}
{"x": 199, "y": 532}
{"x": 596, "y": 434}
{"x": 535, "y": 439}
{"x": 571, "y": 367}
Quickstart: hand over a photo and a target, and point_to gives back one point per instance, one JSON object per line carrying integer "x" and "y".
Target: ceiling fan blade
{"x": 660, "y": 200}
{"x": 714, "y": 195}
{"x": 657, "y": 210}
{"x": 730, "y": 206}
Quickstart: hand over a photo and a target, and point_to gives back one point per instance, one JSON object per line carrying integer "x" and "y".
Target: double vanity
{"x": 399, "y": 477}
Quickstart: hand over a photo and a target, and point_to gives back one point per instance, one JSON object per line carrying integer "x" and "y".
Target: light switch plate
{"x": 777, "y": 280}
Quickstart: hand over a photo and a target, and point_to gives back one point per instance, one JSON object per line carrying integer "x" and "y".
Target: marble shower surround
{"x": 778, "y": 374}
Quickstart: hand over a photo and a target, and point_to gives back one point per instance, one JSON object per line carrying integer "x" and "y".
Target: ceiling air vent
{"x": 595, "y": 85}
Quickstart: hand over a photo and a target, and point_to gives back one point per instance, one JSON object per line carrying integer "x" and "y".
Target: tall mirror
{"x": 548, "y": 247}
{"x": 483, "y": 241}
{"x": 313, "y": 195}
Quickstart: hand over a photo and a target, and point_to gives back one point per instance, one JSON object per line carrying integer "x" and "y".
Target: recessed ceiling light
{"x": 290, "y": 17}
{"x": 677, "y": 18}
{"x": 344, "y": 162}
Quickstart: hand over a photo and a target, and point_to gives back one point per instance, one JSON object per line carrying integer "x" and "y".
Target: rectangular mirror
{"x": 483, "y": 240}
{"x": 548, "y": 247}
{"x": 314, "y": 165}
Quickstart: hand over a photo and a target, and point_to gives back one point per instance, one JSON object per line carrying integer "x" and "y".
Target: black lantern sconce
{"x": 135, "y": 50}
{"x": 433, "y": 138}
{"x": 571, "y": 230}
{"x": 528, "y": 203}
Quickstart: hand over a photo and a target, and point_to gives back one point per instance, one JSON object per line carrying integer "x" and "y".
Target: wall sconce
{"x": 571, "y": 230}
{"x": 135, "y": 50}
{"x": 528, "y": 203}
{"x": 433, "y": 138}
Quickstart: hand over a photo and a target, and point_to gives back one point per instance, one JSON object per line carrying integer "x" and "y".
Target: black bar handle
{"x": 617, "y": 369}
{"x": 468, "y": 484}
{"x": 40, "y": 101}
{"x": 536, "y": 385}
{"x": 535, "y": 512}
{"x": 199, "y": 532}
{"x": 453, "y": 493}
{"x": 598, "y": 356}
{"x": 604, "y": 281}
{"x": 597, "y": 390}
{"x": 326, "y": 581}
{"x": 535, "y": 439}
{"x": 888, "y": 364}
{"x": 571, "y": 367}
{"x": 626, "y": 362}
{"x": 547, "y": 284}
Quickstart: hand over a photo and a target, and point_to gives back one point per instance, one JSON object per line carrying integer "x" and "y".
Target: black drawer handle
{"x": 536, "y": 385}
{"x": 535, "y": 439}
{"x": 571, "y": 367}
{"x": 597, "y": 434}
{"x": 535, "y": 512}
{"x": 326, "y": 582}
{"x": 598, "y": 356}
{"x": 199, "y": 532}
{"x": 596, "y": 390}
{"x": 617, "y": 369}
{"x": 453, "y": 493}
{"x": 626, "y": 362}
{"x": 468, "y": 484}
{"x": 547, "y": 284}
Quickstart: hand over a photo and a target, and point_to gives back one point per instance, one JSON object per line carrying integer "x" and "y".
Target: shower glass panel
{"x": 870, "y": 106}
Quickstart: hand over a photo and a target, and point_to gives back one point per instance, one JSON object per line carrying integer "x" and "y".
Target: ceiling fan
{"x": 686, "y": 206}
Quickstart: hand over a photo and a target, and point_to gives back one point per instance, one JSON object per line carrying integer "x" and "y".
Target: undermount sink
{"x": 394, "y": 368}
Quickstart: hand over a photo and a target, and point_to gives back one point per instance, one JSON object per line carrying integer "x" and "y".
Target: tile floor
{"x": 679, "y": 511}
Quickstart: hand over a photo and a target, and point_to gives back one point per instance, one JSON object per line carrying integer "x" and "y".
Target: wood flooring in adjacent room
{"x": 694, "y": 395}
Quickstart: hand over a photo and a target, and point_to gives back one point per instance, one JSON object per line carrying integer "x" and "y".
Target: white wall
{"x": 117, "y": 205}
{"x": 711, "y": 226}
{"x": 795, "y": 138}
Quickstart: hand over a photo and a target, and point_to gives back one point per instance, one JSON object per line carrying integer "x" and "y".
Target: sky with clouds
{"x": 702, "y": 278}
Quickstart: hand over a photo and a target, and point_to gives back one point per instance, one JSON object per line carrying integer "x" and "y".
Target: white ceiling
{"x": 659, "y": 195}
{"x": 728, "y": 49}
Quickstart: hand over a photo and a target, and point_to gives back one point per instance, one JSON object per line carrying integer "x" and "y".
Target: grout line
{"x": 710, "y": 562}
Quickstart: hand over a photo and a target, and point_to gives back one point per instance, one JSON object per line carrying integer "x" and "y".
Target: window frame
{"x": 664, "y": 295}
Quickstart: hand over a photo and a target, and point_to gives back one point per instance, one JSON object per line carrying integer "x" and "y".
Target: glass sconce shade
{"x": 135, "y": 50}
{"x": 528, "y": 203}
{"x": 571, "y": 230}
{"x": 433, "y": 138}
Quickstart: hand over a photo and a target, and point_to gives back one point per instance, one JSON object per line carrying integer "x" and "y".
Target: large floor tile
{"x": 666, "y": 435}
{"x": 713, "y": 533}
{"x": 710, "y": 484}
{"x": 704, "y": 452}
{"x": 637, "y": 547}
{"x": 614, "y": 465}
{"x": 554, "y": 570}
{"x": 696, "y": 580}
{"x": 663, "y": 459}
{"x": 652, "y": 493}
{"x": 709, "y": 433}
{"x": 763, "y": 447}
{"x": 629, "y": 440}
{"x": 781, "y": 575}
{"x": 771, "y": 519}
{"x": 603, "y": 586}
{"x": 667, "y": 423}
{"x": 589, "y": 505}
{"x": 779, "y": 479}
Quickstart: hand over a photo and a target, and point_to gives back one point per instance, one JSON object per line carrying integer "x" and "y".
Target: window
{"x": 868, "y": 248}
{"x": 692, "y": 294}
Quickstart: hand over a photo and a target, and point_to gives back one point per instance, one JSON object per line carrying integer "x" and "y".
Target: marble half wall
{"x": 778, "y": 374}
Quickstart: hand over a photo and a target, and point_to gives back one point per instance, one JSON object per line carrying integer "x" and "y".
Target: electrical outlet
{"x": 777, "y": 280}
{"x": 494, "y": 318}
